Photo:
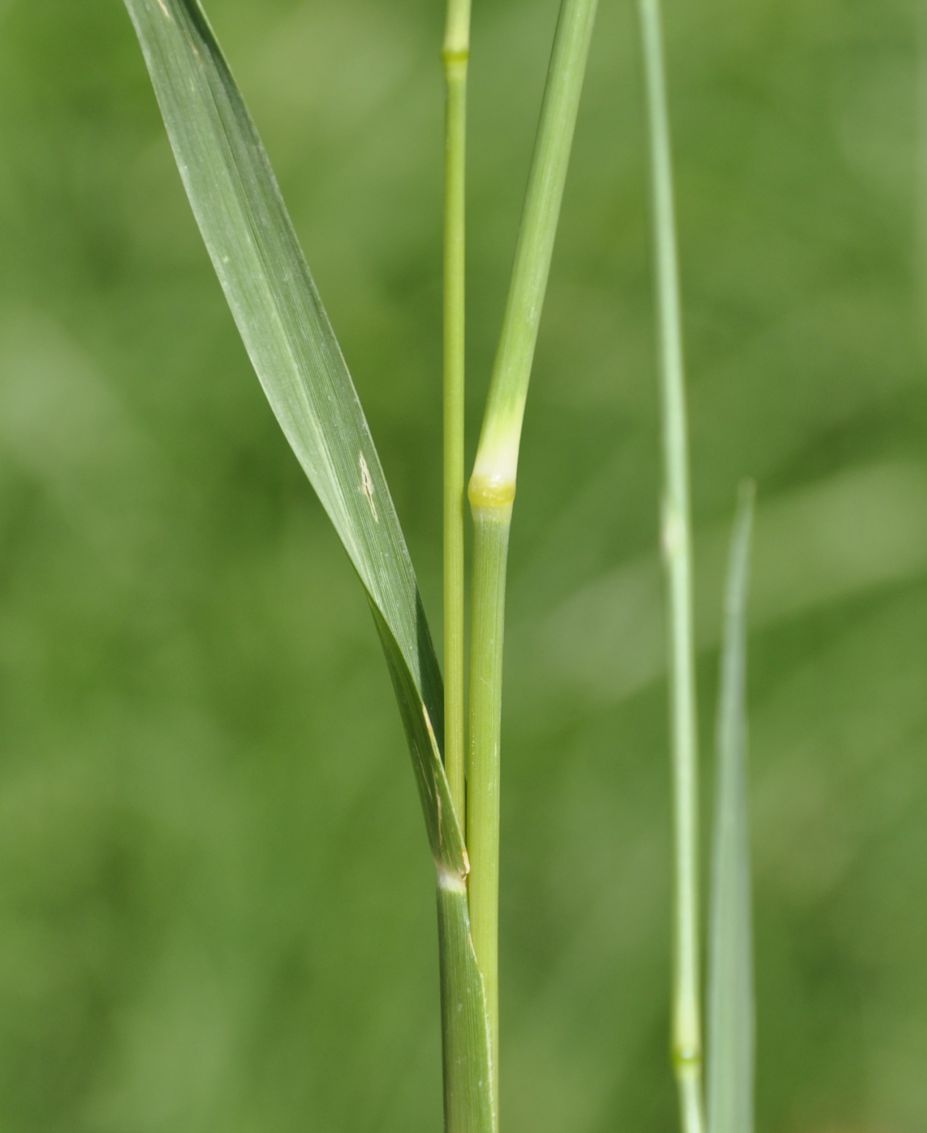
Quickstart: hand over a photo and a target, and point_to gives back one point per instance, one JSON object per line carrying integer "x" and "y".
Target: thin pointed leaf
{"x": 293, "y": 348}
{"x": 250, "y": 239}
{"x": 730, "y": 991}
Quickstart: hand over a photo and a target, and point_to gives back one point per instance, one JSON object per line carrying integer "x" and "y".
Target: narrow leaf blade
{"x": 291, "y": 344}
{"x": 256, "y": 255}
{"x": 730, "y": 990}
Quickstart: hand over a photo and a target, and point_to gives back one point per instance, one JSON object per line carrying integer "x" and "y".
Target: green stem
{"x": 492, "y": 485}
{"x": 677, "y": 552}
{"x": 468, "y": 1078}
{"x": 492, "y": 522}
{"x": 920, "y": 185}
{"x": 455, "y": 56}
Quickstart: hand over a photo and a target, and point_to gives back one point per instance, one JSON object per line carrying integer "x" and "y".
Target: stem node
{"x": 455, "y": 60}
{"x": 489, "y": 493}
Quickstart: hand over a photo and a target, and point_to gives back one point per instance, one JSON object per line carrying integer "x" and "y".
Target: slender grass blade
{"x": 291, "y": 344}
{"x": 730, "y": 985}
{"x": 293, "y": 348}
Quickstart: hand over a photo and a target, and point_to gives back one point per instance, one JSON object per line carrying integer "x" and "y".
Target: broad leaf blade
{"x": 730, "y": 992}
{"x": 293, "y": 348}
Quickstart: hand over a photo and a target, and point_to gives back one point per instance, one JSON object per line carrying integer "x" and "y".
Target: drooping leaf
{"x": 730, "y": 990}
{"x": 291, "y": 344}
{"x": 256, "y": 255}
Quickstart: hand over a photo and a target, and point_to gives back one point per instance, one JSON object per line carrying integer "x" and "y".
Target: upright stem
{"x": 468, "y": 1103}
{"x": 455, "y": 57}
{"x": 492, "y": 522}
{"x": 920, "y": 183}
{"x": 677, "y": 552}
{"x": 492, "y": 485}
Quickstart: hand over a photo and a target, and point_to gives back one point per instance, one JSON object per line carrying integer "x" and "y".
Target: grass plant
{"x": 454, "y": 728}
{"x": 731, "y": 1052}
{"x": 455, "y": 58}
{"x": 492, "y": 485}
{"x": 294, "y": 351}
{"x": 677, "y": 557}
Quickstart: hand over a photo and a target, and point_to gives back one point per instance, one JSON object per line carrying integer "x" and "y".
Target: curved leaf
{"x": 257, "y": 257}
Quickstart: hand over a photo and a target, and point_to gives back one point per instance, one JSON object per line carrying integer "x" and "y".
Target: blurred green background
{"x": 216, "y": 908}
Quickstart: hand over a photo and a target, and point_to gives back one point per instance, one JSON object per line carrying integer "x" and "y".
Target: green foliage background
{"x": 216, "y": 908}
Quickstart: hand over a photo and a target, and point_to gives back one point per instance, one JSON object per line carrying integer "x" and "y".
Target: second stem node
{"x": 489, "y": 493}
